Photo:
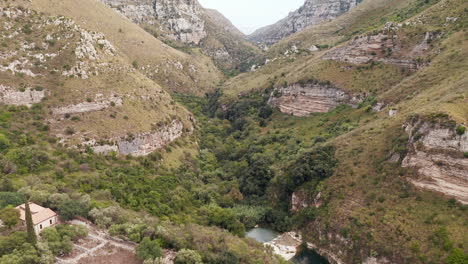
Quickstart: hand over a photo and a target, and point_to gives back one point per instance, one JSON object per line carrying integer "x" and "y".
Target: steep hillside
{"x": 391, "y": 78}
{"x": 172, "y": 69}
{"x": 311, "y": 13}
{"x": 94, "y": 96}
{"x": 350, "y": 138}
{"x": 186, "y": 24}
{"x": 81, "y": 128}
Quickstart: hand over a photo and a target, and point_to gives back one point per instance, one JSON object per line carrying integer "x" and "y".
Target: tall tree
{"x": 32, "y": 238}
{"x": 10, "y": 217}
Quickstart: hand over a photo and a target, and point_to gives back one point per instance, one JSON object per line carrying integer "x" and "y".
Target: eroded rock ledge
{"x": 437, "y": 152}
{"x": 142, "y": 144}
{"x": 100, "y": 103}
{"x": 303, "y": 100}
{"x": 27, "y": 97}
{"x": 179, "y": 20}
{"x": 386, "y": 48}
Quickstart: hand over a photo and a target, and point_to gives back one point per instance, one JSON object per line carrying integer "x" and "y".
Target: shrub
{"x": 28, "y": 159}
{"x": 441, "y": 238}
{"x": 457, "y": 256}
{"x": 11, "y": 198}
{"x": 317, "y": 165}
{"x": 149, "y": 249}
{"x": 27, "y": 29}
{"x": 461, "y": 130}
{"x": 59, "y": 245}
{"x": 69, "y": 131}
{"x": 107, "y": 216}
{"x": 10, "y": 217}
{"x": 72, "y": 208}
{"x": 465, "y": 155}
{"x": 187, "y": 256}
{"x": 4, "y": 142}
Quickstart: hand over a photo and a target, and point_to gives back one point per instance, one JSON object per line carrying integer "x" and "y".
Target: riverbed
{"x": 286, "y": 245}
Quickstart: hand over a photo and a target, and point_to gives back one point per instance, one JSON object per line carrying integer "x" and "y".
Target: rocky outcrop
{"x": 27, "y": 96}
{"x": 311, "y": 13}
{"x": 362, "y": 50}
{"x": 303, "y": 100}
{"x": 142, "y": 144}
{"x": 286, "y": 245}
{"x": 179, "y": 20}
{"x": 437, "y": 153}
{"x": 301, "y": 199}
{"x": 99, "y": 103}
{"x": 386, "y": 48}
{"x": 186, "y": 22}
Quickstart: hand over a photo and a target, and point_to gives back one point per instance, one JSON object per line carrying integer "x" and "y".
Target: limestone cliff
{"x": 436, "y": 151}
{"x": 183, "y": 23}
{"x": 179, "y": 20}
{"x": 311, "y": 13}
{"x": 386, "y": 47}
{"x": 305, "y": 99}
{"x": 89, "y": 93}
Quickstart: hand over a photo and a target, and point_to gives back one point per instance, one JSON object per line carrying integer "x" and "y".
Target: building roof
{"x": 39, "y": 213}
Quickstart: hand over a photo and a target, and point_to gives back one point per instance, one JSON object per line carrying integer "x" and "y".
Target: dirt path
{"x": 96, "y": 245}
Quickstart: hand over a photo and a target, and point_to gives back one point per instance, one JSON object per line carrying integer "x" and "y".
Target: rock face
{"x": 303, "y": 100}
{"x": 311, "y": 13}
{"x": 386, "y": 48}
{"x": 186, "y": 22}
{"x": 142, "y": 144}
{"x": 179, "y": 20}
{"x": 27, "y": 97}
{"x": 84, "y": 107}
{"x": 436, "y": 152}
{"x": 83, "y": 75}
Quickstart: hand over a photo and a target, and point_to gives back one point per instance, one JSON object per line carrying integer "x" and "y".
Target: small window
{"x": 50, "y": 221}
{"x": 40, "y": 226}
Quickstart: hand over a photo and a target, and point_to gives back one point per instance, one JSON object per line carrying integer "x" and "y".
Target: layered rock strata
{"x": 437, "y": 153}
{"x": 303, "y": 100}
{"x": 311, "y": 13}
{"x": 142, "y": 144}
{"x": 180, "y": 20}
{"x": 27, "y": 97}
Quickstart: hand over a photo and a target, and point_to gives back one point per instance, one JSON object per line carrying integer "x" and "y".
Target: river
{"x": 285, "y": 245}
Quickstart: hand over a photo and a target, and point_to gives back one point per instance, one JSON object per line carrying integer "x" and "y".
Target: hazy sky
{"x": 248, "y": 15}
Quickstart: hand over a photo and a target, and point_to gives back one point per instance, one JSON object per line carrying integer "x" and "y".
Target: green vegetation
{"x": 32, "y": 238}
{"x": 10, "y": 217}
{"x": 187, "y": 256}
{"x": 461, "y": 130}
{"x": 149, "y": 249}
{"x": 343, "y": 167}
{"x": 59, "y": 239}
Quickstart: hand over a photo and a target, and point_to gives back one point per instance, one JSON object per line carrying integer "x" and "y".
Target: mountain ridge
{"x": 312, "y": 12}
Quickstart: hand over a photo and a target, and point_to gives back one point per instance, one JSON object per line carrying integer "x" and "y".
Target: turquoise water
{"x": 262, "y": 234}
{"x": 309, "y": 256}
